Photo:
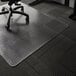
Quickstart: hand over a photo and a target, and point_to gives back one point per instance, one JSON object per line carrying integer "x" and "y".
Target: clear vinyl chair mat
{"x": 26, "y": 39}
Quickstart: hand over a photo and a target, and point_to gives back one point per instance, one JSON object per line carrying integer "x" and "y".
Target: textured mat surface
{"x": 26, "y": 39}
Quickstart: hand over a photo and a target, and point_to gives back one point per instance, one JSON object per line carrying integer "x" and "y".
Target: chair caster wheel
{"x": 8, "y": 29}
{"x": 3, "y": 9}
{"x": 22, "y": 10}
{"x": 27, "y": 21}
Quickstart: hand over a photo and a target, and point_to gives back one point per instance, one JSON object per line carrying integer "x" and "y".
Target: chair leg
{"x": 22, "y": 8}
{"x": 5, "y": 12}
{"x": 8, "y": 23}
{"x": 22, "y": 13}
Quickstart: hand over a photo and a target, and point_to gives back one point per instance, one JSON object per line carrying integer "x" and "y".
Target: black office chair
{"x": 13, "y": 10}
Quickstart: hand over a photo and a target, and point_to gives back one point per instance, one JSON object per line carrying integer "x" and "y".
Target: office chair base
{"x": 17, "y": 12}
{"x": 6, "y": 11}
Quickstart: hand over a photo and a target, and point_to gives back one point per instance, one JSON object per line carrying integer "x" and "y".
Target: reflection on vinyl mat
{"x": 25, "y": 39}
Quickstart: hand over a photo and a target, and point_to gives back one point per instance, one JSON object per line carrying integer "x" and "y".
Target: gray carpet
{"x": 26, "y": 39}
